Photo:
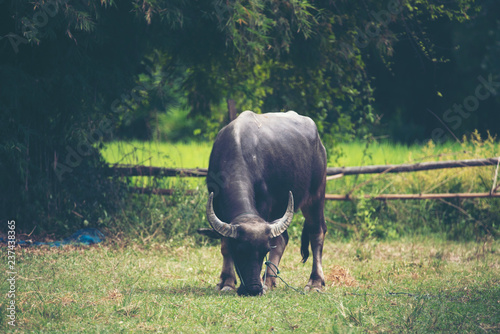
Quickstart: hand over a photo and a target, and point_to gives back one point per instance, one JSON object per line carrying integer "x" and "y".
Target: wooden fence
{"x": 332, "y": 173}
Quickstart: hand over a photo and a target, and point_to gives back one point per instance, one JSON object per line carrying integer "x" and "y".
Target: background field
{"x": 196, "y": 154}
{"x": 470, "y": 219}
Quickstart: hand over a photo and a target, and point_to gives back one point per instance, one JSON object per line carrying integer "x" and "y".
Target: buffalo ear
{"x": 208, "y": 232}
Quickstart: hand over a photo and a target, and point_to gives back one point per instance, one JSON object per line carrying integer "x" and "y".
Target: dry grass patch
{"x": 340, "y": 276}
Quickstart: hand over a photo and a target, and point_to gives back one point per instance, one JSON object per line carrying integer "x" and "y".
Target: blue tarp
{"x": 86, "y": 236}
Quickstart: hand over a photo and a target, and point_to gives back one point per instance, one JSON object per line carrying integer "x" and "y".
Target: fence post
{"x": 231, "y": 109}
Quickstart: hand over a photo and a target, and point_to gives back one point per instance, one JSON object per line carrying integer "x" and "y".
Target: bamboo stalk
{"x": 404, "y": 168}
{"x": 334, "y": 197}
{"x": 129, "y": 170}
{"x": 153, "y": 191}
{"x": 494, "y": 187}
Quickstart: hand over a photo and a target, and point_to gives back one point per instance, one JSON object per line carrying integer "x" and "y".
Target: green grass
{"x": 158, "y": 154}
{"x": 196, "y": 154}
{"x": 412, "y": 285}
{"x": 470, "y": 219}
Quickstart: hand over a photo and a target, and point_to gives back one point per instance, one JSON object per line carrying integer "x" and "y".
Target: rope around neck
{"x": 275, "y": 271}
{"x": 239, "y": 274}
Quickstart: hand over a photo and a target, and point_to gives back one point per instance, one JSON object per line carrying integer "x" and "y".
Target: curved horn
{"x": 280, "y": 225}
{"x": 224, "y": 229}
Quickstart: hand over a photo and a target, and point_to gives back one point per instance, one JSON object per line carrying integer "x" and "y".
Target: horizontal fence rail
{"x": 332, "y": 173}
{"x": 129, "y": 170}
{"x": 386, "y": 197}
{"x": 405, "y": 168}
{"x": 153, "y": 191}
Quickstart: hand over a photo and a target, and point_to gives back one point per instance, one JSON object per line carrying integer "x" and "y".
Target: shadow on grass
{"x": 187, "y": 289}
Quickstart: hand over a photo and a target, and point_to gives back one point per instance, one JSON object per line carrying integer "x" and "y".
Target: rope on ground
{"x": 276, "y": 272}
{"x": 274, "y": 269}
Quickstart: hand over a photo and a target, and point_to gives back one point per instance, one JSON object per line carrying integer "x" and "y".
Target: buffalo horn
{"x": 224, "y": 229}
{"x": 280, "y": 225}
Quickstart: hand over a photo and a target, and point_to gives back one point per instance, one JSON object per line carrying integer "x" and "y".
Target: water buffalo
{"x": 262, "y": 168}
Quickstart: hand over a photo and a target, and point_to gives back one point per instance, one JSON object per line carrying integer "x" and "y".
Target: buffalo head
{"x": 249, "y": 238}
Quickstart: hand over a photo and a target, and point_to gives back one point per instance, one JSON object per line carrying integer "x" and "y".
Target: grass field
{"x": 389, "y": 266}
{"x": 196, "y": 154}
{"x": 161, "y": 154}
{"x": 408, "y": 286}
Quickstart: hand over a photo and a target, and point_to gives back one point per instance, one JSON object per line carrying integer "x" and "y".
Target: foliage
{"x": 369, "y": 225}
{"x": 54, "y": 100}
{"x": 75, "y": 74}
{"x": 413, "y": 285}
{"x": 421, "y": 93}
{"x": 311, "y": 57}
{"x": 166, "y": 219}
{"x": 457, "y": 219}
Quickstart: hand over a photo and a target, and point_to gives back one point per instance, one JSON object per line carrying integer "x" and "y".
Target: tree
{"x": 308, "y": 56}
{"x": 426, "y": 95}
{"x": 62, "y": 64}
{"x": 70, "y": 72}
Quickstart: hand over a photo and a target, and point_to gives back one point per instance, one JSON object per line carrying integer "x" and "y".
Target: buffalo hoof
{"x": 317, "y": 286}
{"x": 317, "y": 289}
{"x": 227, "y": 289}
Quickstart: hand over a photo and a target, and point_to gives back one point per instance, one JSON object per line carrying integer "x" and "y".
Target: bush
{"x": 169, "y": 218}
{"x": 456, "y": 219}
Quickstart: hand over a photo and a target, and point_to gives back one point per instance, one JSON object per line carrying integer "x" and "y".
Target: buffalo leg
{"x": 315, "y": 228}
{"x": 279, "y": 245}
{"x": 227, "y": 277}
